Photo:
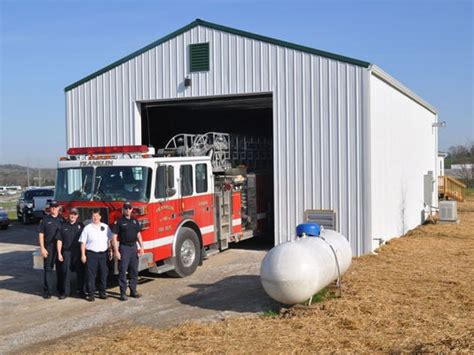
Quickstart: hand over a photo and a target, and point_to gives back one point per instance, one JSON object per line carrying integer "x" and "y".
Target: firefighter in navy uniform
{"x": 69, "y": 253}
{"x": 126, "y": 235}
{"x": 48, "y": 231}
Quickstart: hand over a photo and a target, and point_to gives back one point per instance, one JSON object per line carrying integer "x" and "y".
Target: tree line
{"x": 15, "y": 175}
{"x": 462, "y": 154}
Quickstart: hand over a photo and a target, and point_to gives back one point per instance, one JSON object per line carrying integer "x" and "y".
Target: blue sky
{"x": 47, "y": 45}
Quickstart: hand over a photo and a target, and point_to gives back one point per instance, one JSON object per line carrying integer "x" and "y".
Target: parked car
{"x": 32, "y": 204}
{"x": 9, "y": 190}
{"x": 4, "y": 221}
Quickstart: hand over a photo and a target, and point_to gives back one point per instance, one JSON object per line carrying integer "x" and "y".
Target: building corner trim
{"x": 367, "y": 165}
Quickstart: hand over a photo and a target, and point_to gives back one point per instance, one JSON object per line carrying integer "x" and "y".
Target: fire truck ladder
{"x": 180, "y": 145}
{"x": 215, "y": 144}
{"x": 223, "y": 203}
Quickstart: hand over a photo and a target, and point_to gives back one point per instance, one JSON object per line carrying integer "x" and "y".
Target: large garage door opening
{"x": 246, "y": 120}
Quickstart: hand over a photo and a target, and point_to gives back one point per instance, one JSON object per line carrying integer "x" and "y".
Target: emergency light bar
{"x": 108, "y": 150}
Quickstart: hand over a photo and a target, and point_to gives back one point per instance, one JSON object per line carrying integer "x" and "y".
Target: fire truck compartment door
{"x": 166, "y": 215}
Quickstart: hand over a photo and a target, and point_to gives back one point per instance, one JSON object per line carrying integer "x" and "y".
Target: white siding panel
{"x": 404, "y": 149}
{"x": 317, "y": 107}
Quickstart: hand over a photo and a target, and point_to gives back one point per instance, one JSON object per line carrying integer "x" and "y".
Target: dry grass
{"x": 416, "y": 296}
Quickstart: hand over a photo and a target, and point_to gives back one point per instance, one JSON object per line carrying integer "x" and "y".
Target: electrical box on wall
{"x": 428, "y": 187}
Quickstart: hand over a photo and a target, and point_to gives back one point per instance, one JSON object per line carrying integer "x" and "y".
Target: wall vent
{"x": 199, "y": 57}
{"x": 325, "y": 218}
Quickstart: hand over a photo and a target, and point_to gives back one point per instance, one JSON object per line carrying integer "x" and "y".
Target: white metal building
{"x": 346, "y": 135}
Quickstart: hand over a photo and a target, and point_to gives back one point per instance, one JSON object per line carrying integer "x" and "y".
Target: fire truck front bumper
{"x": 144, "y": 263}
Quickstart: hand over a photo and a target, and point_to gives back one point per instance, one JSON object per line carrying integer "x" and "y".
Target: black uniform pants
{"x": 128, "y": 263}
{"x": 65, "y": 267}
{"x": 80, "y": 268}
{"x": 48, "y": 264}
{"x": 96, "y": 262}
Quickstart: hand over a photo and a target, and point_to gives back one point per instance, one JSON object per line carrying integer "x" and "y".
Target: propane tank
{"x": 294, "y": 271}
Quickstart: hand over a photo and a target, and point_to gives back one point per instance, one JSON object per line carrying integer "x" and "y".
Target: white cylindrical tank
{"x": 292, "y": 272}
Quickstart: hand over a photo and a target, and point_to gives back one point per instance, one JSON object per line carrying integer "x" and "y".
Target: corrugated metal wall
{"x": 320, "y": 117}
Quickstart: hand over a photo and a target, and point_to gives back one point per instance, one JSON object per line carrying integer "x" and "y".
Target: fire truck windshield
{"x": 74, "y": 184}
{"x": 120, "y": 183}
{"x": 116, "y": 183}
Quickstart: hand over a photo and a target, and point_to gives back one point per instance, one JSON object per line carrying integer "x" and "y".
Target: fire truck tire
{"x": 188, "y": 253}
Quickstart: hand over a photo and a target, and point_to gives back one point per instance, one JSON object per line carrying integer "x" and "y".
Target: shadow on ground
{"x": 18, "y": 233}
{"x": 240, "y": 293}
{"x": 17, "y": 274}
{"x": 263, "y": 242}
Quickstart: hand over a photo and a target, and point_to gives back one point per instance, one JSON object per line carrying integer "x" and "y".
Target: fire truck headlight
{"x": 144, "y": 224}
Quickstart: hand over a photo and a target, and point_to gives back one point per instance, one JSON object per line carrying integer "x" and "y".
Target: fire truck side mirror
{"x": 170, "y": 191}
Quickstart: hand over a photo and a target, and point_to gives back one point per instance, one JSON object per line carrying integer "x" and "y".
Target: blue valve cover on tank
{"x": 308, "y": 229}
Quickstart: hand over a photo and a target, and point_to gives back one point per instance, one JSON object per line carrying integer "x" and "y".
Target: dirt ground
{"x": 416, "y": 295}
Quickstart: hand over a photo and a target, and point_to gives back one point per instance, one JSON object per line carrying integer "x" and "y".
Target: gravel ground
{"x": 227, "y": 284}
{"x": 415, "y": 296}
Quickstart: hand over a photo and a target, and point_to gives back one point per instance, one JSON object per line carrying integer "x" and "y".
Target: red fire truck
{"x": 188, "y": 198}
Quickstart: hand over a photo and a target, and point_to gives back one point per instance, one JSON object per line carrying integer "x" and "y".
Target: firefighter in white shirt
{"x": 95, "y": 243}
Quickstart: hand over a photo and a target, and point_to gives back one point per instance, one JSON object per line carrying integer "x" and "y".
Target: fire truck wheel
{"x": 187, "y": 253}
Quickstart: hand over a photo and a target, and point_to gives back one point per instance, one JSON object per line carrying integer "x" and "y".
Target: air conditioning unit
{"x": 448, "y": 211}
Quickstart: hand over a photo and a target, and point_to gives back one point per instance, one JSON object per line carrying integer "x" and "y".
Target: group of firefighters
{"x": 73, "y": 247}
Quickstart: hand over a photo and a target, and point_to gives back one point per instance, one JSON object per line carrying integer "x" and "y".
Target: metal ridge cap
{"x": 390, "y": 80}
{"x": 283, "y": 43}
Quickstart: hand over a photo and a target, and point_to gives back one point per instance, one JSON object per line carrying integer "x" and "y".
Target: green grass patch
{"x": 10, "y": 208}
{"x": 8, "y": 205}
{"x": 270, "y": 314}
{"x": 323, "y": 295}
{"x": 12, "y": 215}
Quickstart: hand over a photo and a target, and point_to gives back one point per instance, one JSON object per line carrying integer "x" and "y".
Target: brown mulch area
{"x": 416, "y": 295}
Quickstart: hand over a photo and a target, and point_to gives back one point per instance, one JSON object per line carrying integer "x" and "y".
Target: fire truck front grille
{"x": 85, "y": 214}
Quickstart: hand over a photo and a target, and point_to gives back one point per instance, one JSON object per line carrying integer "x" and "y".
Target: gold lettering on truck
{"x": 165, "y": 207}
{"x": 96, "y": 163}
